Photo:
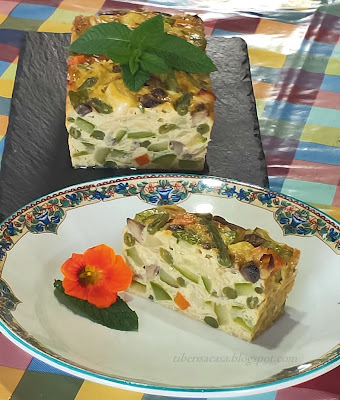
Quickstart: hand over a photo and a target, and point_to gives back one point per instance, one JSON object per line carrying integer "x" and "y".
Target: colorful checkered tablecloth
{"x": 294, "y": 48}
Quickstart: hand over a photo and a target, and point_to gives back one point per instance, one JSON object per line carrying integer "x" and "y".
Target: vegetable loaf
{"x": 165, "y": 125}
{"x": 231, "y": 278}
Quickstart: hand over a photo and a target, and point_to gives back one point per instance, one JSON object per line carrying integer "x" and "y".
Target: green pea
{"x": 166, "y": 255}
{"x": 230, "y": 292}
{"x": 99, "y": 135}
{"x": 145, "y": 144}
{"x": 129, "y": 240}
{"x": 181, "y": 281}
{"x": 110, "y": 164}
{"x": 252, "y": 302}
{"x": 100, "y": 106}
{"x": 75, "y": 133}
{"x": 167, "y": 128}
{"x": 211, "y": 321}
{"x": 259, "y": 290}
{"x": 203, "y": 128}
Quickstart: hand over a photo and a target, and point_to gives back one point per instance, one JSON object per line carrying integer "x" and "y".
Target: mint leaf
{"x": 102, "y": 38}
{"x": 149, "y": 32}
{"x": 120, "y": 55}
{"x": 133, "y": 82}
{"x": 118, "y": 316}
{"x": 182, "y": 55}
{"x": 153, "y": 63}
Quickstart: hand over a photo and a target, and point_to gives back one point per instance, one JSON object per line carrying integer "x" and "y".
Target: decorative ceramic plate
{"x": 170, "y": 354}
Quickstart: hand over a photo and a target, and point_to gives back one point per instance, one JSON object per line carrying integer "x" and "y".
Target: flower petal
{"x": 100, "y": 296}
{"x": 101, "y": 256}
{"x": 119, "y": 277}
{"x": 72, "y": 266}
{"x": 75, "y": 289}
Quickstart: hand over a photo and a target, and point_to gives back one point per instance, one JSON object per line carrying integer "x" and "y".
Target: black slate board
{"x": 36, "y": 159}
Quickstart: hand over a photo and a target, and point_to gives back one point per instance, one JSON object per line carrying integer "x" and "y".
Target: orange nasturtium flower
{"x": 96, "y": 276}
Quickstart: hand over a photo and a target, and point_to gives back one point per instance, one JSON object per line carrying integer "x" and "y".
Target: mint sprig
{"x": 118, "y": 316}
{"x": 143, "y": 51}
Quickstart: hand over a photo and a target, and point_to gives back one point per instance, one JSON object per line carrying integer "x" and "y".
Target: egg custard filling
{"x": 233, "y": 279}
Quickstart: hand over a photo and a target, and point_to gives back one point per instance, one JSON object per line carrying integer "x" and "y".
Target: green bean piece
{"x": 259, "y": 290}
{"x": 229, "y": 292}
{"x": 99, "y": 135}
{"x": 171, "y": 82}
{"x": 182, "y": 104}
{"x": 188, "y": 274}
{"x": 89, "y": 82}
{"x": 89, "y": 146}
{"x": 120, "y": 135}
{"x": 224, "y": 257}
{"x": 129, "y": 240}
{"x": 70, "y": 119}
{"x": 207, "y": 283}
{"x": 252, "y": 302}
{"x": 140, "y": 135}
{"x": 75, "y": 133}
{"x": 211, "y": 321}
{"x": 80, "y": 153}
{"x": 191, "y": 164}
{"x": 203, "y": 128}
{"x": 162, "y": 146}
{"x": 85, "y": 125}
{"x": 158, "y": 223}
{"x": 168, "y": 279}
{"x": 115, "y": 153}
{"x": 164, "y": 161}
{"x": 100, "y": 106}
{"x": 159, "y": 292}
{"x": 101, "y": 154}
{"x": 138, "y": 287}
{"x": 133, "y": 254}
{"x": 79, "y": 97}
{"x": 166, "y": 128}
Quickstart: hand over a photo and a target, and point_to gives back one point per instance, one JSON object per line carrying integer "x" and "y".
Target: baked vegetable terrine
{"x": 231, "y": 278}
{"x": 166, "y": 124}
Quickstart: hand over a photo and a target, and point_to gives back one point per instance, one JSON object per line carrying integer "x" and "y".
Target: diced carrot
{"x": 181, "y": 301}
{"x": 264, "y": 256}
{"x": 142, "y": 160}
{"x": 78, "y": 59}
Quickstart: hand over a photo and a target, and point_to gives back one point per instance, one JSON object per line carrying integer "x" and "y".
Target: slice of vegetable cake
{"x": 231, "y": 278}
{"x": 165, "y": 124}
